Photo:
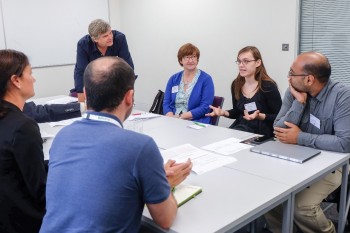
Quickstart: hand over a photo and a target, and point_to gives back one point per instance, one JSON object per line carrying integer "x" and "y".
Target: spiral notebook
{"x": 291, "y": 152}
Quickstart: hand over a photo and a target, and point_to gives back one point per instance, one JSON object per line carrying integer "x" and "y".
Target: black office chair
{"x": 73, "y": 93}
{"x": 217, "y": 102}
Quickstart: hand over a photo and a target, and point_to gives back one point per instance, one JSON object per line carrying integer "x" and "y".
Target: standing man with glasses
{"x": 101, "y": 41}
{"x": 315, "y": 113}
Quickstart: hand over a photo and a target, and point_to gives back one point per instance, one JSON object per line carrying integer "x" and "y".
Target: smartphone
{"x": 257, "y": 140}
{"x": 262, "y": 139}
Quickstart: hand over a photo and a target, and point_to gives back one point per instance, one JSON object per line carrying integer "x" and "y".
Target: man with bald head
{"x": 101, "y": 180}
{"x": 314, "y": 113}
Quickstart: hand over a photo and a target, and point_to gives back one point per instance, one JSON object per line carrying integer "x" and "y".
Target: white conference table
{"x": 296, "y": 175}
{"x": 169, "y": 132}
{"x": 230, "y": 200}
{"x": 220, "y": 207}
{"x": 256, "y": 183}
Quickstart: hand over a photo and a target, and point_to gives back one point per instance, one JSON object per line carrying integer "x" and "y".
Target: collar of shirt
{"x": 104, "y": 117}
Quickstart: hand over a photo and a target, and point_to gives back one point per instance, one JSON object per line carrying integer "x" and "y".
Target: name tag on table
{"x": 315, "y": 121}
{"x": 174, "y": 89}
{"x": 250, "y": 107}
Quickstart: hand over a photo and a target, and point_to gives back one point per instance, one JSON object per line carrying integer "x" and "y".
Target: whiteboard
{"x": 2, "y": 35}
{"x": 47, "y": 31}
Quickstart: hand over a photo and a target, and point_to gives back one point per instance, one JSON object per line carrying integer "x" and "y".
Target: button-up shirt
{"x": 324, "y": 120}
{"x": 87, "y": 51}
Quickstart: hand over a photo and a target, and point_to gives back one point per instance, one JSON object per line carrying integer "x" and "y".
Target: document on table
{"x": 63, "y": 100}
{"x": 145, "y": 115}
{"x": 64, "y": 122}
{"x": 203, "y": 161}
{"x": 45, "y": 135}
{"x": 227, "y": 147}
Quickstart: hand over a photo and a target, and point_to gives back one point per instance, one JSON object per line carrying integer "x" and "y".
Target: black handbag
{"x": 157, "y": 106}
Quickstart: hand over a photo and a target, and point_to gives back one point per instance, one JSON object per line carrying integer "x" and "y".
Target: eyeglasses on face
{"x": 291, "y": 74}
{"x": 187, "y": 58}
{"x": 244, "y": 62}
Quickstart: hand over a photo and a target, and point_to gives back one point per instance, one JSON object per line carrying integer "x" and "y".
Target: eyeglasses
{"x": 291, "y": 74}
{"x": 244, "y": 62}
{"x": 193, "y": 58}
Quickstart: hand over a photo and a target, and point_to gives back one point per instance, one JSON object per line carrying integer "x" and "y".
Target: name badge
{"x": 174, "y": 89}
{"x": 315, "y": 121}
{"x": 250, "y": 107}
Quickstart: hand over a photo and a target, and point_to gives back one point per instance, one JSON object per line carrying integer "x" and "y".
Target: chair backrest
{"x": 217, "y": 102}
{"x": 73, "y": 93}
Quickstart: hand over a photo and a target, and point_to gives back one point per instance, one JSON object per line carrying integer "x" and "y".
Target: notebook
{"x": 185, "y": 192}
{"x": 294, "y": 153}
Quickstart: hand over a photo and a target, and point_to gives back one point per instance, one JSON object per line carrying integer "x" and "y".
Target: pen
{"x": 136, "y": 114}
{"x": 199, "y": 124}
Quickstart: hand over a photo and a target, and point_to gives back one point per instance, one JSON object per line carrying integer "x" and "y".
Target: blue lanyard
{"x": 94, "y": 117}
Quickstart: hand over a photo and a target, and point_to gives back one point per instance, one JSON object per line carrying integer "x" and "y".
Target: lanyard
{"x": 94, "y": 117}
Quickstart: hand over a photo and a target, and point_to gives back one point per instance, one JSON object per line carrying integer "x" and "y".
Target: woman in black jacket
{"x": 22, "y": 169}
{"x": 255, "y": 97}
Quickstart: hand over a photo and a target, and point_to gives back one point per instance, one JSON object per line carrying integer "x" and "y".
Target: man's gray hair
{"x": 98, "y": 27}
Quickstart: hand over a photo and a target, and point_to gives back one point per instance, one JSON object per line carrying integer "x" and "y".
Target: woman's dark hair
{"x": 260, "y": 73}
{"x": 12, "y": 62}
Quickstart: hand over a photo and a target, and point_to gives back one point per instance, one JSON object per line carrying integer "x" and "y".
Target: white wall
{"x": 155, "y": 29}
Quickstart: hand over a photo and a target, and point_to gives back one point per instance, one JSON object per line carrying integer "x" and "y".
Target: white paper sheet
{"x": 203, "y": 161}
{"x": 45, "y": 135}
{"x": 64, "y": 122}
{"x": 63, "y": 100}
{"x": 226, "y": 147}
{"x": 144, "y": 115}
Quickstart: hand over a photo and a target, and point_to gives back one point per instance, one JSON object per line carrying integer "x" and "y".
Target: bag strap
{"x": 156, "y": 100}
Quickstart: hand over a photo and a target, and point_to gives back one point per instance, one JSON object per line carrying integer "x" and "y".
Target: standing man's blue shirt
{"x": 87, "y": 52}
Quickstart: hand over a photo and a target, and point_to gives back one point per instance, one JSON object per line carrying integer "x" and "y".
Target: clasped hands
{"x": 177, "y": 172}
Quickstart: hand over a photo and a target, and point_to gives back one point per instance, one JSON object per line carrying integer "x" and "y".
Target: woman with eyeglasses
{"x": 189, "y": 92}
{"x": 255, "y": 96}
{"x": 22, "y": 169}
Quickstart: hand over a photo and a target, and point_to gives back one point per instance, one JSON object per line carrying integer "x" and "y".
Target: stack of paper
{"x": 203, "y": 161}
{"x": 63, "y": 100}
{"x": 227, "y": 147}
{"x": 144, "y": 115}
